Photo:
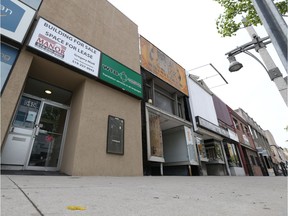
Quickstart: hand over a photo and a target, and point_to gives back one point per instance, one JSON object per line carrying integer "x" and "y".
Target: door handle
{"x": 37, "y": 128}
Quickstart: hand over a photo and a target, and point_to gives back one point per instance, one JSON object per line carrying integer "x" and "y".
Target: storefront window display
{"x": 232, "y": 156}
{"x": 201, "y": 148}
{"x": 214, "y": 152}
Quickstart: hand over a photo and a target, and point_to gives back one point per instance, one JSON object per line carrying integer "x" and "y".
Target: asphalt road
{"x": 132, "y": 196}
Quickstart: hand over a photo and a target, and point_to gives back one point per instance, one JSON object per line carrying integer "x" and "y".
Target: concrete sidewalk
{"x": 129, "y": 196}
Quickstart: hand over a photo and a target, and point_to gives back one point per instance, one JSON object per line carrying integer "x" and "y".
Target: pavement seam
{"x": 38, "y": 210}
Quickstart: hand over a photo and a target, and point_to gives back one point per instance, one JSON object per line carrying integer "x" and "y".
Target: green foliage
{"x": 231, "y": 19}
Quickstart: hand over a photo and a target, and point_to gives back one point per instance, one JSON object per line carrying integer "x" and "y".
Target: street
{"x": 157, "y": 195}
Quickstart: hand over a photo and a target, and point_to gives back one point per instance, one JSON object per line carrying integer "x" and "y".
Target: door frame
{"x": 56, "y": 104}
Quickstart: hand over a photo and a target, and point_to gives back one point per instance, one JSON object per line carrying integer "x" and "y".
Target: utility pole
{"x": 273, "y": 71}
{"x": 275, "y": 26}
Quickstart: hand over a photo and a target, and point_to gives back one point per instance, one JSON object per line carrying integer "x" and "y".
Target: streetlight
{"x": 259, "y": 44}
{"x": 234, "y": 64}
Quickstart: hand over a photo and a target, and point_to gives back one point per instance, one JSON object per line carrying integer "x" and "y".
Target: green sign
{"x": 121, "y": 76}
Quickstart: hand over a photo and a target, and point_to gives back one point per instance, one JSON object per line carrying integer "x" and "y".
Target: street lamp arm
{"x": 237, "y": 50}
{"x": 256, "y": 43}
{"x": 253, "y": 56}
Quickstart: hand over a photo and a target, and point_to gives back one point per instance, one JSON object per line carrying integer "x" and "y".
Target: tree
{"x": 231, "y": 19}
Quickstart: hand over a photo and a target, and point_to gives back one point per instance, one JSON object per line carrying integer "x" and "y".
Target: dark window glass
{"x": 115, "y": 137}
{"x": 27, "y": 113}
{"x": 164, "y": 103}
{"x": 252, "y": 160}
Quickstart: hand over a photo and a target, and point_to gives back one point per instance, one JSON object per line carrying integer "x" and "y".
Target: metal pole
{"x": 273, "y": 71}
{"x": 275, "y": 26}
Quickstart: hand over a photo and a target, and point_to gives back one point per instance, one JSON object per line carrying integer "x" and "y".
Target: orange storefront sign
{"x": 158, "y": 63}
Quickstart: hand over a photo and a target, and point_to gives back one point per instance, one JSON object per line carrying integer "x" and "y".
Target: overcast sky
{"x": 185, "y": 30}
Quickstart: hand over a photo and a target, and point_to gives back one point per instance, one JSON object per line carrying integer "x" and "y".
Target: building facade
{"x": 76, "y": 98}
{"x": 231, "y": 144}
{"x": 277, "y": 155}
{"x": 261, "y": 142}
{"x": 71, "y": 100}
{"x": 251, "y": 162}
{"x": 208, "y": 134}
{"x": 168, "y": 145}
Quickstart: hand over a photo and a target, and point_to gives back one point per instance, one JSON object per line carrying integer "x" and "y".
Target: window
{"x": 255, "y": 132}
{"x": 148, "y": 93}
{"x": 242, "y": 128}
{"x": 163, "y": 102}
{"x": 252, "y": 160}
{"x": 250, "y": 131}
{"x": 214, "y": 152}
{"x": 232, "y": 156}
{"x": 201, "y": 148}
{"x": 181, "y": 109}
{"x": 164, "y": 97}
{"x": 258, "y": 161}
{"x": 236, "y": 125}
{"x": 27, "y": 113}
{"x": 247, "y": 131}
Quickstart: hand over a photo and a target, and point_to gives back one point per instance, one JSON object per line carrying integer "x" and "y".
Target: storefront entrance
{"x": 36, "y": 136}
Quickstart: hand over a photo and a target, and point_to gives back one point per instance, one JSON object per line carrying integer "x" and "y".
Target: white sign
{"x": 233, "y": 135}
{"x": 31, "y": 116}
{"x": 63, "y": 46}
{"x": 210, "y": 126}
{"x": 16, "y": 19}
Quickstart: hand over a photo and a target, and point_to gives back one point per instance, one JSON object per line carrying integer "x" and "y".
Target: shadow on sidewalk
{"x": 32, "y": 172}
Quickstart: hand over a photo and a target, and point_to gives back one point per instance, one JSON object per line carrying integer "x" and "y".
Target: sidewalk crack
{"x": 33, "y": 204}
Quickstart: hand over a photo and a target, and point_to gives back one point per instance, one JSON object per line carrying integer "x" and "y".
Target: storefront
{"x": 265, "y": 162}
{"x": 209, "y": 135}
{"x": 233, "y": 154}
{"x": 252, "y": 161}
{"x": 65, "y": 103}
{"x": 168, "y": 145}
{"x": 210, "y": 146}
{"x": 38, "y": 130}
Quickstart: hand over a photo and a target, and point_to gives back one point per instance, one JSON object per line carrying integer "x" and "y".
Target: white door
{"x": 18, "y": 142}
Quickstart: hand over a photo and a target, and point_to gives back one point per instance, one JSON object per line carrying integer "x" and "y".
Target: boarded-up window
{"x": 156, "y": 141}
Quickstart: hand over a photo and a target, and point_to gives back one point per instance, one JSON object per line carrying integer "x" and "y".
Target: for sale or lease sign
{"x": 57, "y": 43}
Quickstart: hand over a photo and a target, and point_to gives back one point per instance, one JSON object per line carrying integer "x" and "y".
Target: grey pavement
{"x": 129, "y": 196}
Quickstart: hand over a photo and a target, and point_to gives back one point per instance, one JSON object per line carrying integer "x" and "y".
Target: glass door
{"x": 48, "y": 138}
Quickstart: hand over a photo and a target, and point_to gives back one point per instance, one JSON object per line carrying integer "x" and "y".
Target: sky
{"x": 185, "y": 30}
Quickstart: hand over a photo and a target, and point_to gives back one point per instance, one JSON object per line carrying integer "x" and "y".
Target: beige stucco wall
{"x": 71, "y": 141}
{"x": 98, "y": 23}
{"x": 90, "y": 157}
{"x": 101, "y": 25}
